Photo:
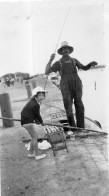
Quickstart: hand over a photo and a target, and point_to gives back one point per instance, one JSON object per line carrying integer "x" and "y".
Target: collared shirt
{"x": 31, "y": 113}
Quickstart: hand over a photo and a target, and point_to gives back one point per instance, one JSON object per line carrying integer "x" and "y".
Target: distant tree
{"x": 17, "y": 74}
{"x": 8, "y": 75}
{"x": 23, "y": 75}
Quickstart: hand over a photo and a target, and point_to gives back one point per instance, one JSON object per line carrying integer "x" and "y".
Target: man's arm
{"x": 88, "y": 66}
{"x": 48, "y": 66}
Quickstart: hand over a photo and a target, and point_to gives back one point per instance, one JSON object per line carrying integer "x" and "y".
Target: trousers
{"x": 71, "y": 89}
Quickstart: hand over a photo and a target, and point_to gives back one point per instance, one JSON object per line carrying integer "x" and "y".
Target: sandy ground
{"x": 81, "y": 171}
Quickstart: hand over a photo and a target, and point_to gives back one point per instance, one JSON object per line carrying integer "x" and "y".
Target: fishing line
{"x": 54, "y": 107}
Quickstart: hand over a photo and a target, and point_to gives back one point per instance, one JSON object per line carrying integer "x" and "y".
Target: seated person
{"x": 30, "y": 115}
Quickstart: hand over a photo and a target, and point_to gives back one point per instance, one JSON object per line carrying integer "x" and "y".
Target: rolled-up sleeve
{"x": 55, "y": 67}
{"x": 81, "y": 66}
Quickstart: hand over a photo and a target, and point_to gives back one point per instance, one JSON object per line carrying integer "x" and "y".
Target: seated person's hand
{"x": 43, "y": 124}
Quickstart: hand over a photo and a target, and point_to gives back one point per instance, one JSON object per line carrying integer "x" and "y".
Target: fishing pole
{"x": 57, "y": 125}
{"x": 74, "y": 128}
{"x": 45, "y": 82}
{"x": 58, "y": 41}
{"x": 11, "y": 119}
{"x": 62, "y": 29}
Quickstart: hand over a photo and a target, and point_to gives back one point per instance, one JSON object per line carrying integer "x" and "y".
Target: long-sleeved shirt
{"x": 31, "y": 113}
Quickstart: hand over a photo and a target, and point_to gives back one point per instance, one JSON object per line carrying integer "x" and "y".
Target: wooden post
{"x": 6, "y": 110}
{"x": 29, "y": 91}
{"x": 34, "y": 84}
{"x": 26, "y": 83}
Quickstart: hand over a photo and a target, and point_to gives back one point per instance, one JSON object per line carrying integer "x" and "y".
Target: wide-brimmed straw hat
{"x": 38, "y": 89}
{"x": 64, "y": 44}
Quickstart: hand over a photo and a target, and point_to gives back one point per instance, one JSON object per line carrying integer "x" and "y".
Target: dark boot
{"x": 71, "y": 121}
{"x": 80, "y": 117}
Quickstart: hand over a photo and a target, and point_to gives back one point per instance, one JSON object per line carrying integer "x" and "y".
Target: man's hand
{"x": 93, "y": 63}
{"x": 52, "y": 57}
{"x": 48, "y": 66}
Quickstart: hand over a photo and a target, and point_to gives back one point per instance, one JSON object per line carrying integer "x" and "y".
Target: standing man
{"x": 70, "y": 84}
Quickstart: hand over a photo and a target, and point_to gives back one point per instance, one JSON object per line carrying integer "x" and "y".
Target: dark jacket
{"x": 31, "y": 113}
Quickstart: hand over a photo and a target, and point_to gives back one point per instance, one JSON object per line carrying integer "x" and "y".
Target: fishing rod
{"x": 57, "y": 125}
{"x": 58, "y": 41}
{"x": 62, "y": 29}
{"x": 74, "y": 128}
{"x": 11, "y": 119}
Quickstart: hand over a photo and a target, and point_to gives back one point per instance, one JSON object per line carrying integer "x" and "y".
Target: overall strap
{"x": 61, "y": 67}
{"x": 74, "y": 62}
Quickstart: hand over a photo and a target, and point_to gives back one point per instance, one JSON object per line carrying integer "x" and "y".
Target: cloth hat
{"x": 37, "y": 90}
{"x": 64, "y": 44}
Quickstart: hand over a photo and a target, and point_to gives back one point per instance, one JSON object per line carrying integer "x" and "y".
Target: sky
{"x": 30, "y": 31}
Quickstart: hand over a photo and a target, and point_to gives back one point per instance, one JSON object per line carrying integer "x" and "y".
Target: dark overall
{"x": 71, "y": 88}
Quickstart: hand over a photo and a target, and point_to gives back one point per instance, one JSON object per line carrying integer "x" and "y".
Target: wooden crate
{"x": 57, "y": 138}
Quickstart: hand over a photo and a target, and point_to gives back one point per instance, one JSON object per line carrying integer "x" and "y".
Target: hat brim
{"x": 34, "y": 94}
{"x": 70, "y": 50}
